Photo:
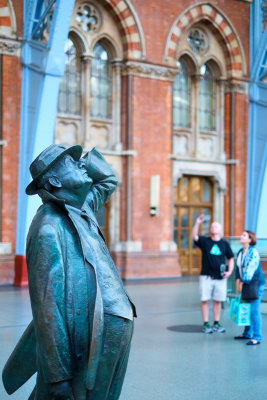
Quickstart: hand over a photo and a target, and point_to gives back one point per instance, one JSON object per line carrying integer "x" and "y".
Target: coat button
{"x": 78, "y": 312}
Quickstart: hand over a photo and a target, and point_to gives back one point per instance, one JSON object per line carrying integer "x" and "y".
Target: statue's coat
{"x": 66, "y": 303}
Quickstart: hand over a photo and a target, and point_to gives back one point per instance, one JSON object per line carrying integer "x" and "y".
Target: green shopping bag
{"x": 240, "y": 312}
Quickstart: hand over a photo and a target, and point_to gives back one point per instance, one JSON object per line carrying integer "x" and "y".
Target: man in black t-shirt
{"x": 213, "y": 277}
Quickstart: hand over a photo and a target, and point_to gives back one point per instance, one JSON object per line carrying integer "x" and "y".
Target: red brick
{"x": 5, "y": 21}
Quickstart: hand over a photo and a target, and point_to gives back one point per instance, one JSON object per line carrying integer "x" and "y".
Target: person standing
{"x": 213, "y": 276}
{"x": 248, "y": 270}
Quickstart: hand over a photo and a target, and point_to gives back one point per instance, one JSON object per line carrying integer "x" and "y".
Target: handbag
{"x": 250, "y": 291}
{"x": 240, "y": 312}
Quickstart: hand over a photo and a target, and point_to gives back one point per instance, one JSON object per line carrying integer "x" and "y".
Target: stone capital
{"x": 149, "y": 70}
{"x": 10, "y": 47}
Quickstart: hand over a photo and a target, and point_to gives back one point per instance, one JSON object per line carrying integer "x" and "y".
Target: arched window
{"x": 84, "y": 113}
{"x": 101, "y": 83}
{"x": 181, "y": 97}
{"x": 69, "y": 100}
{"x": 207, "y": 99}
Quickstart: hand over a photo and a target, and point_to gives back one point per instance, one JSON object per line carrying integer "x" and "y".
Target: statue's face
{"x": 72, "y": 174}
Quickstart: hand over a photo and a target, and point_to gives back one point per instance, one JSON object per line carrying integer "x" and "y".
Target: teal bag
{"x": 239, "y": 312}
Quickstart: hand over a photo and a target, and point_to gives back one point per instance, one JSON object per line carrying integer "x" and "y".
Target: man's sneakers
{"x": 218, "y": 328}
{"x": 207, "y": 328}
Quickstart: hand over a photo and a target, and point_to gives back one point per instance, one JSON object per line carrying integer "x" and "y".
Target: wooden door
{"x": 193, "y": 196}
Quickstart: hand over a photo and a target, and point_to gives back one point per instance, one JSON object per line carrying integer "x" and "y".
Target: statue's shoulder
{"x": 49, "y": 217}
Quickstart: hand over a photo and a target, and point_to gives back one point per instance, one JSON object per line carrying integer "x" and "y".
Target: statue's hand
{"x": 61, "y": 391}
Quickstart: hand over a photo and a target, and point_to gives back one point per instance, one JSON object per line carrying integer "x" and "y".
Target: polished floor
{"x": 171, "y": 359}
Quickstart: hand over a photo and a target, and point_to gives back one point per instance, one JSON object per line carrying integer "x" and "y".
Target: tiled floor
{"x": 171, "y": 359}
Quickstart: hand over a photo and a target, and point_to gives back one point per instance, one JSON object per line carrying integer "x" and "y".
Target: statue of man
{"x": 79, "y": 340}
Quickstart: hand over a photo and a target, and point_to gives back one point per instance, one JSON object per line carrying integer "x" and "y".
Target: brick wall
{"x": 152, "y": 109}
{"x": 11, "y": 81}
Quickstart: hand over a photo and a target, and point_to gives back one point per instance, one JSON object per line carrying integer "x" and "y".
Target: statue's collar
{"x": 46, "y": 197}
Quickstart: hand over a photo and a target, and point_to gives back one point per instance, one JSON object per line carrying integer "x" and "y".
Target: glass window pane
{"x": 196, "y": 213}
{"x": 195, "y": 189}
{"x": 175, "y": 219}
{"x": 181, "y": 97}
{"x": 207, "y": 99}
{"x": 184, "y": 239}
{"x": 183, "y": 217}
{"x": 183, "y": 189}
{"x": 62, "y": 102}
{"x": 95, "y": 107}
{"x": 103, "y": 107}
{"x": 175, "y": 236}
{"x": 101, "y": 83}
{"x": 206, "y": 224}
{"x": 69, "y": 99}
{"x": 206, "y": 190}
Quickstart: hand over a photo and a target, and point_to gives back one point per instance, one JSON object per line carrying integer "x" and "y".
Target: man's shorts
{"x": 214, "y": 289}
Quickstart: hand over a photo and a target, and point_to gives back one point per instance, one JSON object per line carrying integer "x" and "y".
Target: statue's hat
{"x": 46, "y": 160}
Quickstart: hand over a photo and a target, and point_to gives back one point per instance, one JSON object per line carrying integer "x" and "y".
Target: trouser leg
{"x": 114, "y": 358}
{"x": 256, "y": 316}
{"x": 254, "y": 331}
{"x": 248, "y": 331}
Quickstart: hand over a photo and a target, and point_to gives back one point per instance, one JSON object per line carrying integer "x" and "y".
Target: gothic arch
{"x": 220, "y": 26}
{"x": 7, "y": 19}
{"x": 130, "y": 28}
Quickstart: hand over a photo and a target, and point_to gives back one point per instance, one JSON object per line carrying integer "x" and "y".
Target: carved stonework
{"x": 198, "y": 40}
{"x": 10, "y": 47}
{"x": 88, "y": 18}
{"x": 149, "y": 70}
{"x": 67, "y": 132}
{"x": 99, "y": 134}
{"x": 236, "y": 86}
{"x": 180, "y": 144}
{"x": 206, "y": 147}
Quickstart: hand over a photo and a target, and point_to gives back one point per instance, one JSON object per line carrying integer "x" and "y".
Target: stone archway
{"x": 7, "y": 19}
{"x": 132, "y": 35}
{"x": 220, "y": 26}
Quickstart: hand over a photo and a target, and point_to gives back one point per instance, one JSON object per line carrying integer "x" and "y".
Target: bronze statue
{"x": 79, "y": 339}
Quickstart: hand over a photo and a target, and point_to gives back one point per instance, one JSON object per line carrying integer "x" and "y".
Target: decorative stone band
{"x": 237, "y": 86}
{"x": 149, "y": 71}
{"x": 10, "y": 47}
{"x": 220, "y": 26}
{"x": 176, "y": 157}
{"x": 130, "y": 28}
